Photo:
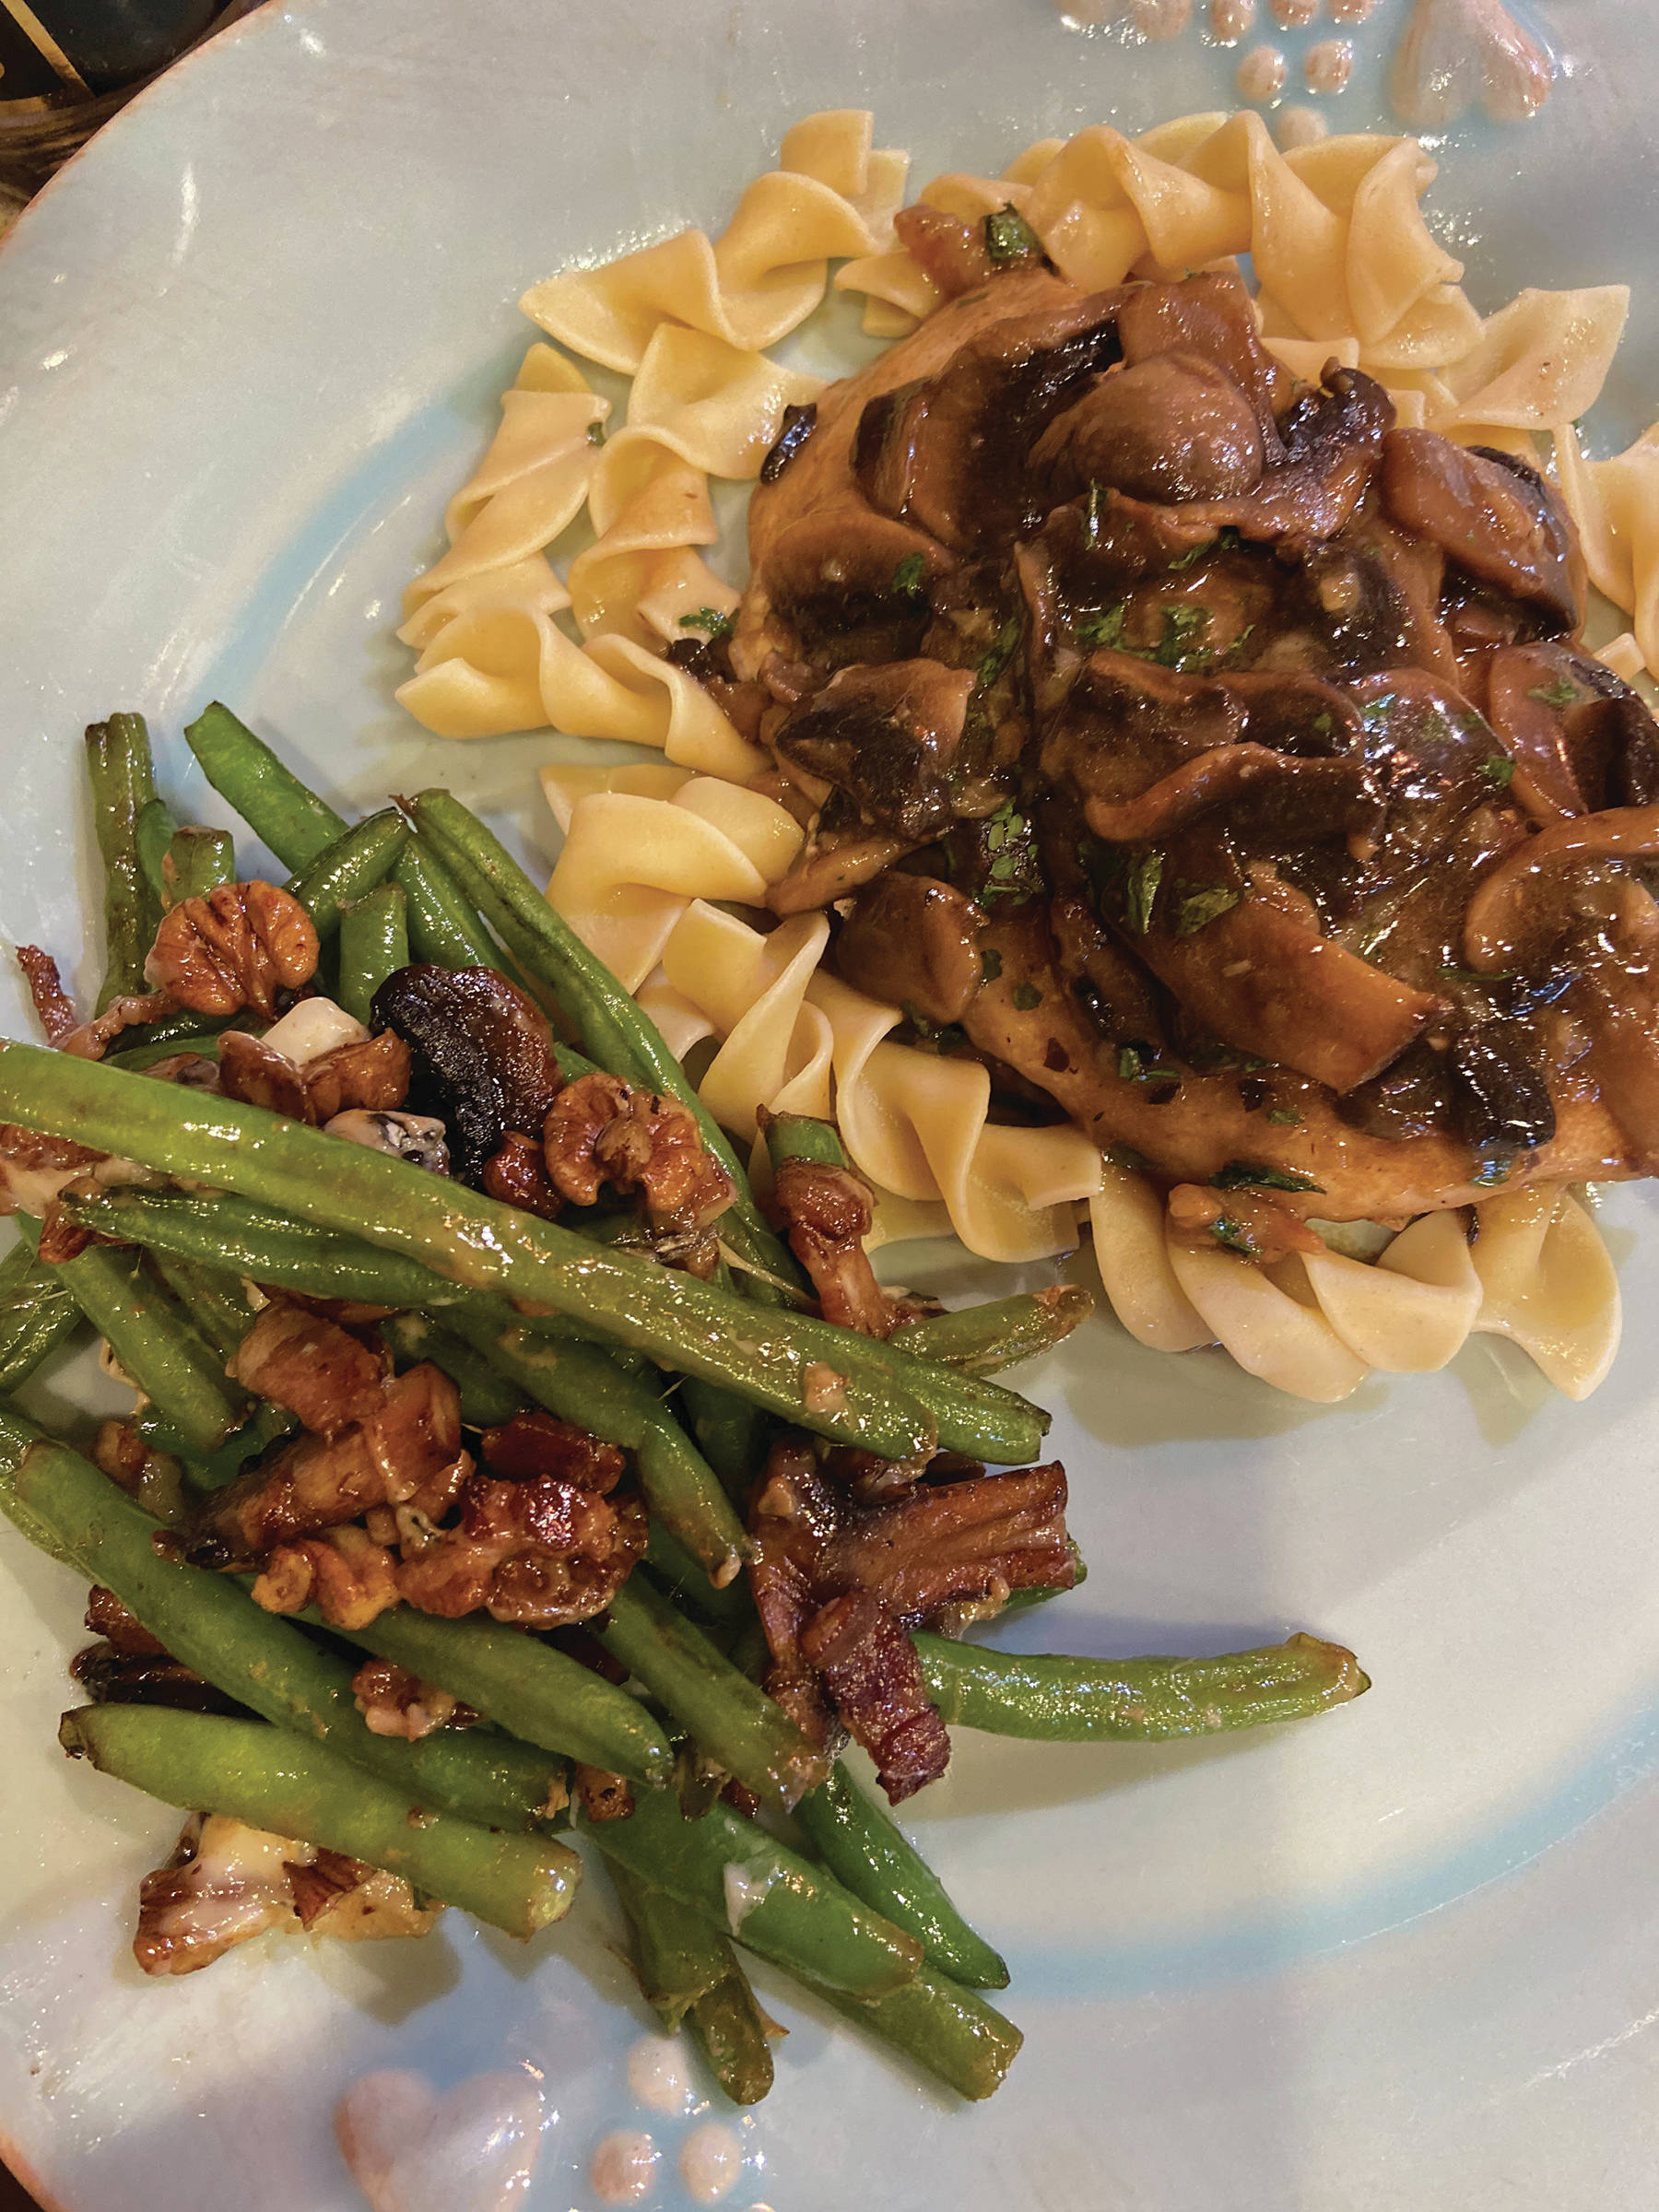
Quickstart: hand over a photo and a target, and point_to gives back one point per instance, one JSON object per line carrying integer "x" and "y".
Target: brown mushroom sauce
{"x": 1156, "y": 720}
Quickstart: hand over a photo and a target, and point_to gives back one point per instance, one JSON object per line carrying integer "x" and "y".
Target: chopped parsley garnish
{"x": 1140, "y": 894}
{"x": 1491, "y": 1173}
{"x": 1234, "y": 1235}
{"x": 1091, "y": 518}
{"x": 708, "y": 619}
{"x": 1106, "y": 629}
{"x": 1323, "y": 726}
{"x": 1285, "y": 1117}
{"x": 1012, "y": 871}
{"x": 1498, "y": 770}
{"x": 1559, "y": 694}
{"x": 1027, "y": 998}
{"x": 1008, "y": 237}
{"x": 596, "y": 433}
{"x": 1204, "y": 903}
{"x": 1248, "y": 1175}
{"x": 990, "y": 964}
{"x": 939, "y": 1038}
{"x": 1137, "y": 1063}
{"x": 907, "y": 577}
{"x": 999, "y": 653}
{"x": 1182, "y": 646}
{"x": 1193, "y": 556}
{"x": 1454, "y": 974}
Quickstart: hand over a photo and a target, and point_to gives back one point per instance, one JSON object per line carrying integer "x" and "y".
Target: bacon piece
{"x": 107, "y": 1617}
{"x": 112, "y": 1676}
{"x": 540, "y": 1552}
{"x": 870, "y": 1668}
{"x": 538, "y": 1443}
{"x": 603, "y": 1130}
{"x": 955, "y": 1543}
{"x": 313, "y": 1366}
{"x": 54, "y": 1010}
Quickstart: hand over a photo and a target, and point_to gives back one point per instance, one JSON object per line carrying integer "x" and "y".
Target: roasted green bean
{"x": 197, "y": 862}
{"x": 1060, "y": 1699}
{"x": 275, "y": 1780}
{"x": 118, "y": 764}
{"x": 690, "y": 1977}
{"x": 374, "y": 943}
{"x": 360, "y": 859}
{"x": 276, "y": 806}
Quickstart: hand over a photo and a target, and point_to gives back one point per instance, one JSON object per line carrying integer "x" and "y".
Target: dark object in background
{"x": 67, "y": 65}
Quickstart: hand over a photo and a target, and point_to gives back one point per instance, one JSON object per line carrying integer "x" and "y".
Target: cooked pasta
{"x": 1348, "y": 271}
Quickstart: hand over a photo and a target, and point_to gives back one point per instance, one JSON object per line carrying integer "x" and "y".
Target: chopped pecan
{"x": 226, "y": 1882}
{"x": 250, "y": 1071}
{"x": 603, "y": 1130}
{"x": 371, "y": 1077}
{"x": 407, "y": 1453}
{"x": 870, "y": 1667}
{"x": 152, "y": 1478}
{"x": 62, "y": 1237}
{"x": 538, "y": 1443}
{"x": 605, "y": 1797}
{"x": 955, "y": 1543}
{"x": 239, "y": 946}
{"x": 518, "y": 1175}
{"x": 350, "y": 1579}
{"x": 93, "y": 1039}
{"x": 54, "y": 1010}
{"x": 540, "y": 1552}
{"x": 827, "y": 1213}
{"x": 395, "y": 1702}
{"x": 311, "y": 1365}
{"x": 107, "y": 1617}
{"x": 111, "y": 1675}
{"x": 34, "y": 1169}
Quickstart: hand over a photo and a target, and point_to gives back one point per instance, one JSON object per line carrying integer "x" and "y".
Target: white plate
{"x": 1404, "y": 1956}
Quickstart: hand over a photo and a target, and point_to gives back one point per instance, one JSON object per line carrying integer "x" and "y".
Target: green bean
{"x": 198, "y": 861}
{"x": 213, "y": 1297}
{"x": 1057, "y": 1700}
{"x": 743, "y": 1882}
{"x": 37, "y": 1314}
{"x": 528, "y": 1687}
{"x": 151, "y": 834}
{"x": 15, "y": 1437}
{"x": 731, "y": 1433}
{"x": 969, "y": 1414}
{"x": 487, "y": 1397}
{"x": 443, "y": 929}
{"x": 686, "y": 1583}
{"x": 689, "y": 1975}
{"x": 878, "y": 1862}
{"x": 151, "y": 1340}
{"x": 580, "y": 1383}
{"x": 347, "y": 871}
{"x": 949, "y": 2031}
{"x": 208, "y": 1622}
{"x": 734, "y": 1722}
{"x": 374, "y": 943}
{"x": 801, "y": 1136}
{"x": 118, "y": 764}
{"x": 980, "y": 1340}
{"x": 276, "y": 806}
{"x": 821, "y": 1378}
{"x": 185, "y": 1031}
{"x": 617, "y": 1034}
{"x": 275, "y": 1780}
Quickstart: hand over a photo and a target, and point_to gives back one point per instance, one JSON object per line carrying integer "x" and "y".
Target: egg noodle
{"x": 655, "y": 856}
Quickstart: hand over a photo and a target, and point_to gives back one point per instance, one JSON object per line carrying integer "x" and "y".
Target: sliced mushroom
{"x": 1170, "y": 429}
{"x": 1493, "y": 516}
{"x": 885, "y": 737}
{"x": 913, "y": 941}
{"x": 483, "y": 1056}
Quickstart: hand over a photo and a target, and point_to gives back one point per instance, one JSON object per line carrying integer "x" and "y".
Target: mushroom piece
{"x": 913, "y": 942}
{"x": 416, "y": 1137}
{"x": 483, "y": 1056}
{"x": 1171, "y": 429}
{"x": 1494, "y": 516}
{"x": 884, "y": 736}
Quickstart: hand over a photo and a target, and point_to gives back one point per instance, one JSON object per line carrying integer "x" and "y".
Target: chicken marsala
{"x": 1218, "y": 760}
